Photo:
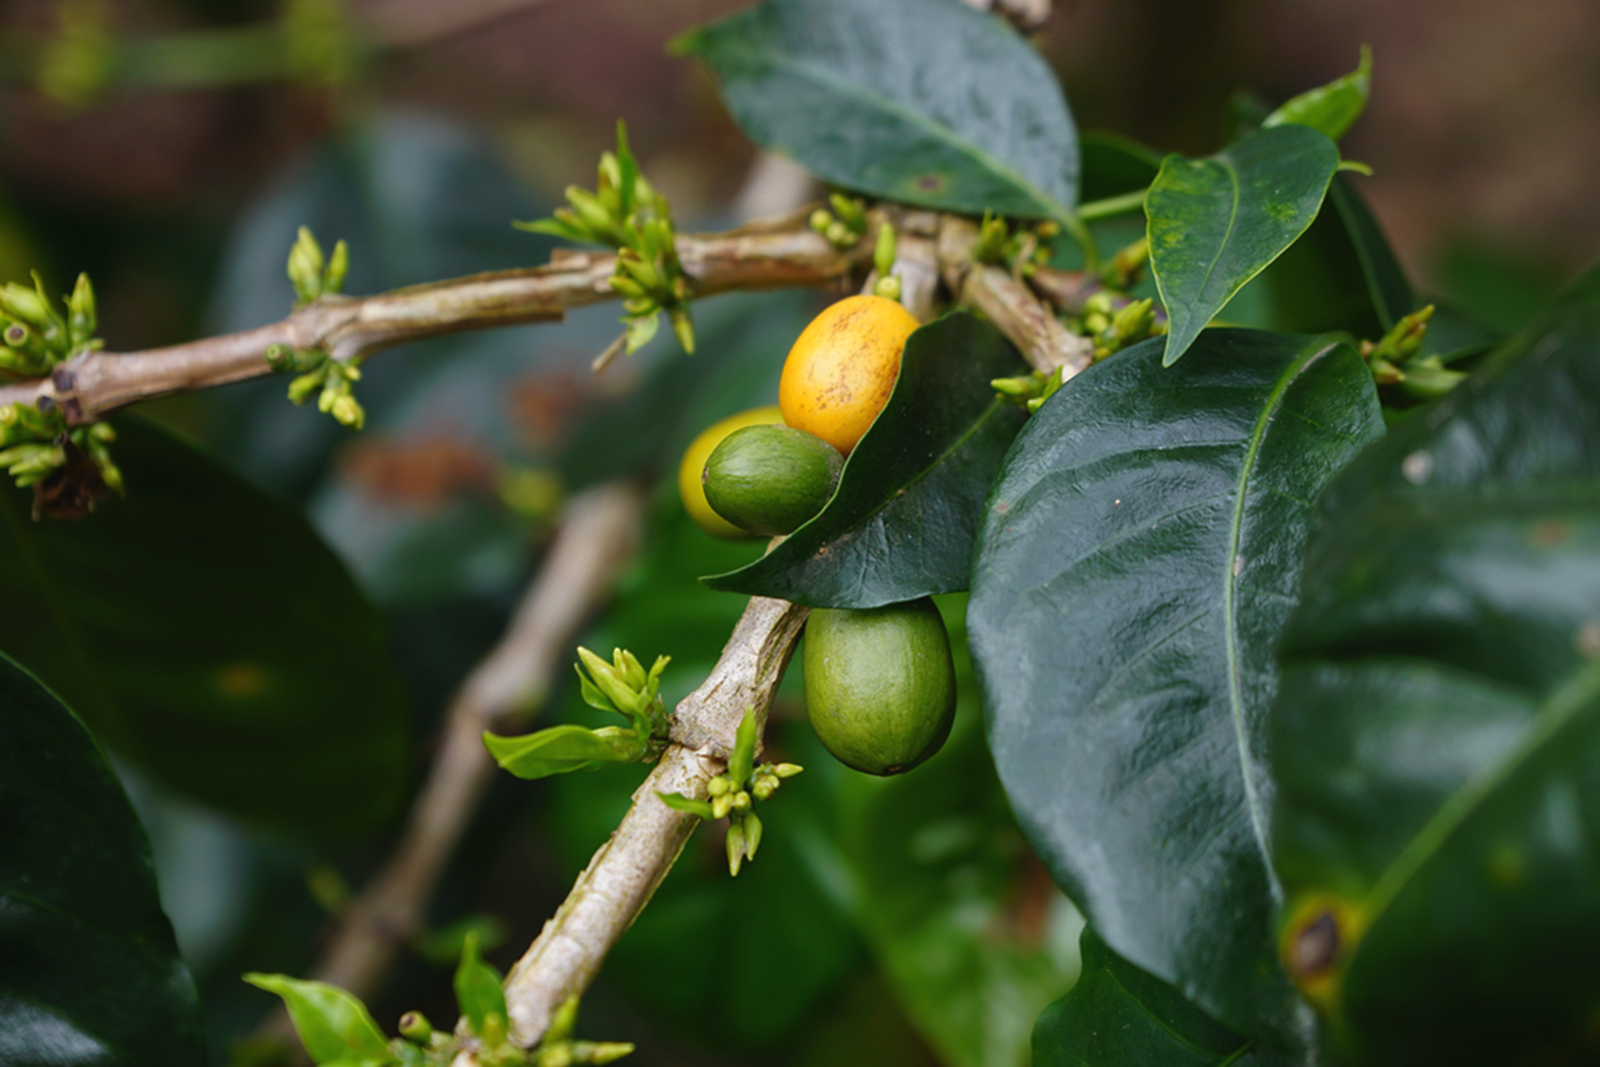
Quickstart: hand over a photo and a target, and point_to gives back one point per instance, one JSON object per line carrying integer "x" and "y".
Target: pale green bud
{"x": 82, "y": 320}
{"x": 338, "y": 268}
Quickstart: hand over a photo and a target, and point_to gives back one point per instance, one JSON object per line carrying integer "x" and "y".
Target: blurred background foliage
{"x": 171, "y": 147}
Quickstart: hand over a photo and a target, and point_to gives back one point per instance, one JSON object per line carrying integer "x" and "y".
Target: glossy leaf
{"x": 1391, "y": 294}
{"x": 1437, "y": 733}
{"x": 89, "y": 972}
{"x": 924, "y": 102}
{"x": 1333, "y": 108}
{"x": 964, "y": 922}
{"x": 1140, "y": 553}
{"x": 334, "y": 1026}
{"x": 1120, "y": 1016}
{"x": 560, "y": 749}
{"x": 1215, "y": 223}
{"x": 901, "y": 522}
{"x": 205, "y": 632}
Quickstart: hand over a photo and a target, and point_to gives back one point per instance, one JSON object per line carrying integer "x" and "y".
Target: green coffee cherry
{"x": 770, "y": 479}
{"x": 880, "y": 684}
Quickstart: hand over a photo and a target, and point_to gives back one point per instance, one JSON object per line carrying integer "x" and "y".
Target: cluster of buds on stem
{"x": 315, "y": 276}
{"x": 1123, "y": 270}
{"x": 1114, "y": 328}
{"x": 37, "y": 442}
{"x": 1396, "y": 359}
{"x": 626, "y": 212}
{"x": 1021, "y": 250}
{"x": 312, "y": 274}
{"x": 35, "y": 337}
{"x": 845, "y": 225}
{"x": 732, "y": 794}
{"x": 319, "y": 374}
{"x": 621, "y": 687}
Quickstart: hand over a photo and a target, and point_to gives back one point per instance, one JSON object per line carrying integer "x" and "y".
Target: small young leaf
{"x": 1217, "y": 222}
{"x": 592, "y": 695}
{"x": 679, "y": 802}
{"x": 1331, "y": 108}
{"x": 564, "y": 748}
{"x": 478, "y": 991}
{"x": 334, "y": 1026}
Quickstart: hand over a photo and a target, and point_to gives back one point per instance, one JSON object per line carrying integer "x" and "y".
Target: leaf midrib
{"x": 1047, "y": 203}
{"x": 1258, "y": 433}
{"x": 1559, "y": 710}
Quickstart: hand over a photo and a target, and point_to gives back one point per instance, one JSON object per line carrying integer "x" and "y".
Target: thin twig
{"x": 597, "y": 534}
{"x": 1045, "y": 343}
{"x": 626, "y": 870}
{"x": 775, "y": 254}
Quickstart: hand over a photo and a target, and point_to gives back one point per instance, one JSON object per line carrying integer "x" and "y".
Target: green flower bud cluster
{"x": 312, "y": 274}
{"x": 626, "y": 212}
{"x": 34, "y": 444}
{"x": 622, "y": 687}
{"x": 35, "y": 337}
{"x": 1395, "y": 360}
{"x": 1022, "y": 250}
{"x": 1113, "y": 328}
{"x": 318, "y": 373}
{"x": 845, "y": 225}
{"x": 732, "y": 794}
{"x": 315, "y": 276}
{"x": 1123, "y": 270}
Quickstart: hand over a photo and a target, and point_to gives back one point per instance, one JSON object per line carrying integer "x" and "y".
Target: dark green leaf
{"x": 564, "y": 748}
{"x": 1114, "y": 165}
{"x": 901, "y": 523}
{"x": 477, "y": 986}
{"x": 89, "y": 972}
{"x": 1120, "y": 1016}
{"x": 1331, "y": 108}
{"x": 963, "y": 921}
{"x": 334, "y": 1026}
{"x": 1215, "y": 223}
{"x": 1325, "y": 281}
{"x": 1391, "y": 293}
{"x": 921, "y": 101}
{"x": 205, "y": 631}
{"x": 1140, "y": 553}
{"x": 1437, "y": 733}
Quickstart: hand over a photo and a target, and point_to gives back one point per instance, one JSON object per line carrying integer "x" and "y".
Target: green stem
{"x": 1111, "y": 206}
{"x": 1073, "y": 224}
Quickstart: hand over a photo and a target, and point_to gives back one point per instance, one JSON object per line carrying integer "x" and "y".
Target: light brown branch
{"x": 621, "y": 877}
{"x": 597, "y": 534}
{"x": 775, "y": 254}
{"x": 1008, "y": 302}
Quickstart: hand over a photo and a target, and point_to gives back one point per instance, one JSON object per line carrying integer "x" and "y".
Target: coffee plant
{"x": 1222, "y": 616}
